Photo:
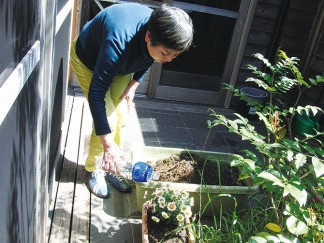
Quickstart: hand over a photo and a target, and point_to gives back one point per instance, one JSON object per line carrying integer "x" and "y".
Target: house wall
{"x": 276, "y": 24}
{"x": 280, "y": 24}
{"x": 314, "y": 60}
{"x": 18, "y": 158}
{"x": 33, "y": 80}
{"x": 316, "y": 94}
{"x": 59, "y": 86}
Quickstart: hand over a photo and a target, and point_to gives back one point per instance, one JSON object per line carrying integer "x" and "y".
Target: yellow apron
{"x": 116, "y": 111}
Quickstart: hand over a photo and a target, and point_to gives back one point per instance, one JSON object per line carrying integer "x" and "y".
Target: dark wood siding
{"x": 261, "y": 35}
{"x": 278, "y": 24}
{"x": 298, "y": 24}
{"x": 314, "y": 59}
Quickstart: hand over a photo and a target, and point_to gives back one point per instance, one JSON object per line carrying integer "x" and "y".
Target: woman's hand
{"x": 129, "y": 93}
{"x": 112, "y": 158}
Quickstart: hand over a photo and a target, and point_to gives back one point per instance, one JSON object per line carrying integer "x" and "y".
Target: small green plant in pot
{"x": 289, "y": 168}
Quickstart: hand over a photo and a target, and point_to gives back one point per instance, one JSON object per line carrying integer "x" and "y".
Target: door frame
{"x": 223, "y": 97}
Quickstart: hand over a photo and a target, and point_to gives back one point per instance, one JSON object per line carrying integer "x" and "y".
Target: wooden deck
{"x": 76, "y": 215}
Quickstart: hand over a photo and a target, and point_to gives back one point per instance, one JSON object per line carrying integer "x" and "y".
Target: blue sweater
{"x": 111, "y": 44}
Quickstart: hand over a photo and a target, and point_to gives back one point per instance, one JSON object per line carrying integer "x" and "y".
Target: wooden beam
{"x": 237, "y": 48}
{"x": 314, "y": 37}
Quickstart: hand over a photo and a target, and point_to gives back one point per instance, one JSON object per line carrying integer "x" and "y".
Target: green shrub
{"x": 289, "y": 168}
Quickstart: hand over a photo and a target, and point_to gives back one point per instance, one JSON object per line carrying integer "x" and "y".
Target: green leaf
{"x": 272, "y": 239}
{"x": 290, "y": 155}
{"x": 239, "y": 121}
{"x": 319, "y": 151}
{"x": 265, "y": 121}
{"x": 273, "y": 227}
{"x": 269, "y": 237}
{"x": 319, "y": 79}
{"x": 262, "y": 234}
{"x": 308, "y": 109}
{"x": 263, "y": 59}
{"x": 270, "y": 177}
{"x": 243, "y": 119}
{"x": 295, "y": 226}
{"x": 300, "y": 160}
{"x": 310, "y": 149}
{"x": 312, "y": 81}
{"x": 299, "y": 195}
{"x": 318, "y": 166}
{"x": 248, "y": 135}
{"x": 285, "y": 239}
{"x": 246, "y": 170}
{"x": 259, "y": 82}
{"x": 250, "y": 163}
{"x": 233, "y": 124}
{"x": 243, "y": 177}
{"x": 257, "y": 239}
{"x": 222, "y": 119}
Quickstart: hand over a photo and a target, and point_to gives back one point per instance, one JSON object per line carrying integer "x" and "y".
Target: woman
{"x": 110, "y": 58}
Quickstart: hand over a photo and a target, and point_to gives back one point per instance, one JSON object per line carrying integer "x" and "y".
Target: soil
{"x": 187, "y": 168}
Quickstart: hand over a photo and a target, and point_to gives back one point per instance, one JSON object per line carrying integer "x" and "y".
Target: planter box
{"x": 200, "y": 193}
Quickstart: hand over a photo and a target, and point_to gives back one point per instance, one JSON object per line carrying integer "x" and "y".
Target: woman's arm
{"x": 112, "y": 158}
{"x": 129, "y": 93}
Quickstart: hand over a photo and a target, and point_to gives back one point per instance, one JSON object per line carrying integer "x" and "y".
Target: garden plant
{"x": 170, "y": 215}
{"x": 289, "y": 168}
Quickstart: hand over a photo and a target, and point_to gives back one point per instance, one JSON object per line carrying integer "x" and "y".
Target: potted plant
{"x": 289, "y": 168}
{"x": 207, "y": 198}
{"x": 254, "y": 95}
{"x": 167, "y": 215}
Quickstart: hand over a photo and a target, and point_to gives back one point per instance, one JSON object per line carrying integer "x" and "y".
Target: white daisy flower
{"x": 180, "y": 217}
{"x": 184, "y": 194}
{"x": 165, "y": 215}
{"x": 158, "y": 192}
{"x": 162, "y": 204}
{"x": 176, "y": 193}
{"x": 161, "y": 200}
{"x": 172, "y": 206}
{"x": 184, "y": 208}
{"x": 156, "y": 219}
{"x": 192, "y": 201}
{"x": 188, "y": 213}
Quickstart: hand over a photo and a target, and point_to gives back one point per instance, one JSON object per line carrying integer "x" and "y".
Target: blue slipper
{"x": 119, "y": 183}
{"x": 97, "y": 183}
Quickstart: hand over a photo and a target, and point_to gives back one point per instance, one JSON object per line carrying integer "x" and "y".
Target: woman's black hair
{"x": 171, "y": 27}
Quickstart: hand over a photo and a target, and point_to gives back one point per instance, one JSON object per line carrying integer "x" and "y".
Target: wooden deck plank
{"x": 81, "y": 208}
{"x": 115, "y": 219}
{"x": 60, "y": 230}
{"x": 64, "y": 129}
